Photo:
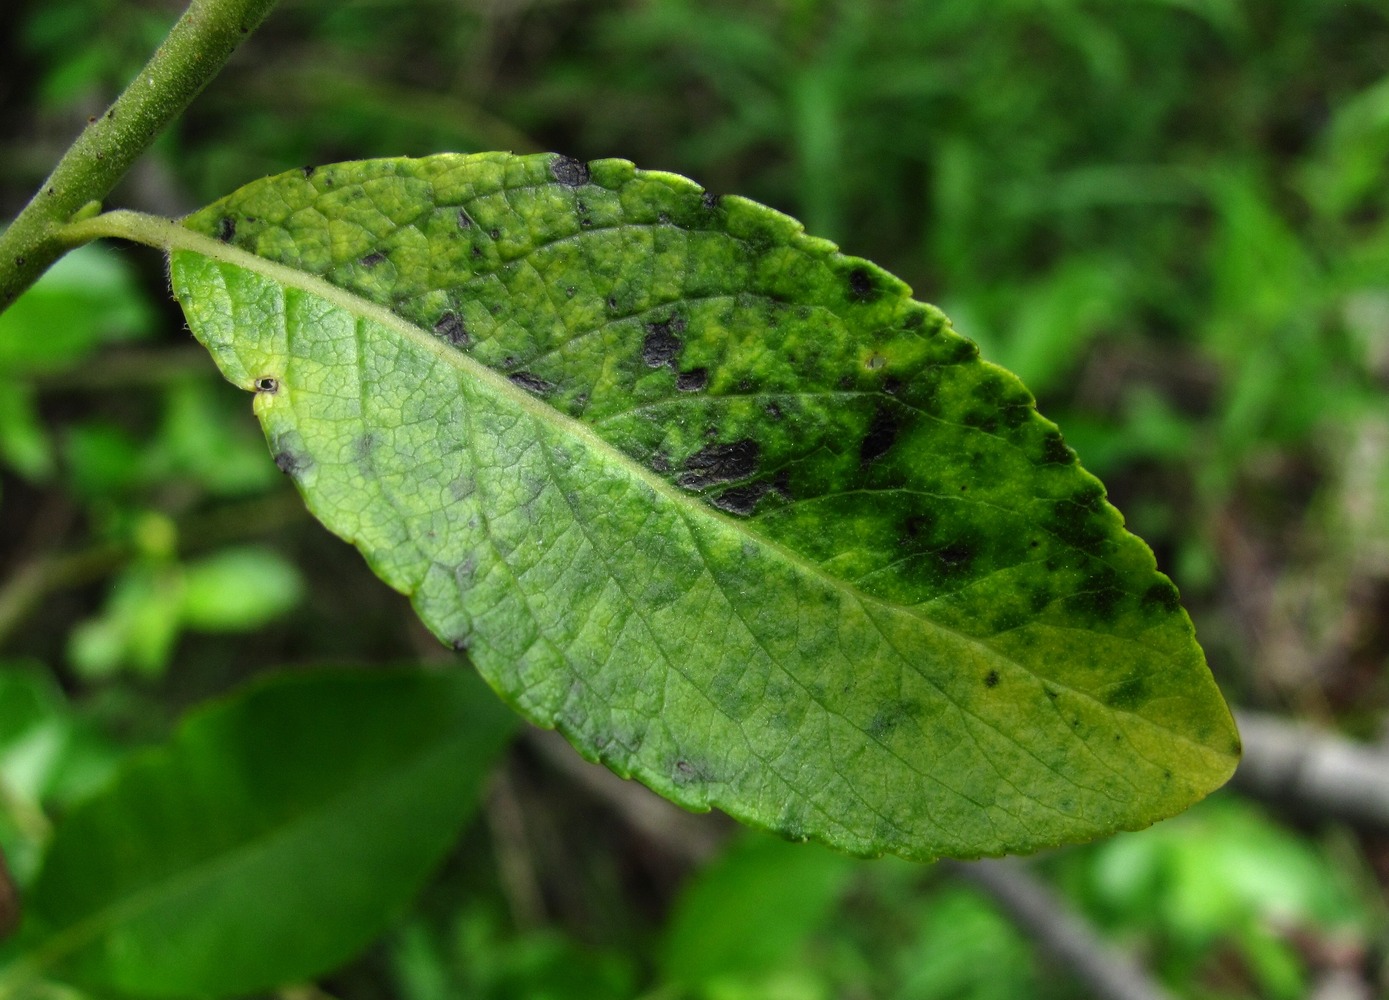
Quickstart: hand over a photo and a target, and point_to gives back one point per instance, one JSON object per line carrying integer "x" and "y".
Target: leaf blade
{"x": 271, "y": 838}
{"x": 508, "y": 378}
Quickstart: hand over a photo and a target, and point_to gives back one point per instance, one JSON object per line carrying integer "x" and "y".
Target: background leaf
{"x": 726, "y": 507}
{"x": 274, "y": 835}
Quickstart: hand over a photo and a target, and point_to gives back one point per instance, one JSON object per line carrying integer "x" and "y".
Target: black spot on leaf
{"x": 464, "y": 220}
{"x": 882, "y": 432}
{"x": 1055, "y": 451}
{"x": 956, "y": 557}
{"x": 991, "y": 679}
{"x": 741, "y": 500}
{"x": 226, "y": 229}
{"x": 662, "y": 346}
{"x": 450, "y": 327}
{"x": 1162, "y": 595}
{"x": 710, "y": 201}
{"x": 569, "y": 171}
{"x": 372, "y": 259}
{"x": 862, "y": 285}
{"x": 1129, "y": 694}
{"x": 289, "y": 463}
{"x": 720, "y": 463}
{"x": 496, "y": 234}
{"x": 531, "y": 383}
{"x": 268, "y": 384}
{"x": 693, "y": 380}
{"x": 961, "y": 351}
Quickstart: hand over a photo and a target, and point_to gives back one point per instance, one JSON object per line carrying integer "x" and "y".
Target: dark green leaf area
{"x": 271, "y": 838}
{"x": 725, "y": 506}
{"x": 716, "y": 343}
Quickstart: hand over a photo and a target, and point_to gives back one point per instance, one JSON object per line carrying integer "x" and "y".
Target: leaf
{"x": 751, "y": 912}
{"x": 724, "y": 506}
{"x": 275, "y": 835}
{"x": 239, "y": 589}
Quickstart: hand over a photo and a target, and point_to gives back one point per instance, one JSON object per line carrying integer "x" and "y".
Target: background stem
{"x": 192, "y": 54}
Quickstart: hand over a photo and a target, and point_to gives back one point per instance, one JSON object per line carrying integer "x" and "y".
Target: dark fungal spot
{"x": 710, "y": 201}
{"x": 774, "y": 411}
{"x": 662, "y": 346}
{"x": 570, "y": 292}
{"x": 720, "y": 463}
{"x": 510, "y": 361}
{"x": 1162, "y": 595}
{"x": 288, "y": 462}
{"x": 1076, "y": 525}
{"x": 918, "y": 525}
{"x": 450, "y": 326}
{"x": 268, "y": 384}
{"x": 531, "y": 383}
{"x": 308, "y": 171}
{"x": 612, "y": 302}
{"x": 372, "y": 259}
{"x": 1104, "y": 603}
{"x": 956, "y": 556}
{"x": 1055, "y": 450}
{"x": 496, "y": 234}
{"x": 459, "y": 645}
{"x": 1129, "y": 694}
{"x": 569, "y": 171}
{"x": 892, "y": 385}
{"x": 1015, "y": 415}
{"x": 741, "y": 500}
{"x": 782, "y": 483}
{"x": 226, "y": 229}
{"x": 660, "y": 462}
{"x": 961, "y": 351}
{"x": 862, "y": 285}
{"x": 882, "y": 433}
{"x": 1052, "y": 693}
{"x": 693, "y": 380}
{"x": 991, "y": 679}
{"x": 464, "y": 220}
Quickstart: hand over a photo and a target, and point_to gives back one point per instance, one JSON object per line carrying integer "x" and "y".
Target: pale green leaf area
{"x": 234, "y": 858}
{"x": 726, "y": 507}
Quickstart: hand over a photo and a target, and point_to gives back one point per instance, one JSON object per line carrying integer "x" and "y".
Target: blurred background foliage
{"x": 1170, "y": 217}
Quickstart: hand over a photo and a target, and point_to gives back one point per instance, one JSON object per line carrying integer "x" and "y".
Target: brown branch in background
{"x": 1040, "y": 913}
{"x": 1312, "y": 773}
{"x": 1048, "y": 920}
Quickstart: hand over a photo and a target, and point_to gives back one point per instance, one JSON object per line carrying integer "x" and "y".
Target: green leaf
{"x": 750, "y": 914}
{"x": 723, "y": 505}
{"x": 239, "y": 589}
{"x": 274, "y": 836}
{"x": 87, "y": 298}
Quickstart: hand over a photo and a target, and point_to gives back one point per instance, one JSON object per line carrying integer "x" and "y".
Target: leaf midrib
{"x": 169, "y": 236}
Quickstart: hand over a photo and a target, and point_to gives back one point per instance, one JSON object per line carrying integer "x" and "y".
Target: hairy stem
{"x": 195, "y": 50}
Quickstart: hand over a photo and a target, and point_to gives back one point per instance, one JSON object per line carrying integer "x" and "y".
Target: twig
{"x": 196, "y": 48}
{"x": 691, "y": 838}
{"x": 32, "y": 581}
{"x": 1058, "y": 930}
{"x": 1313, "y": 773}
